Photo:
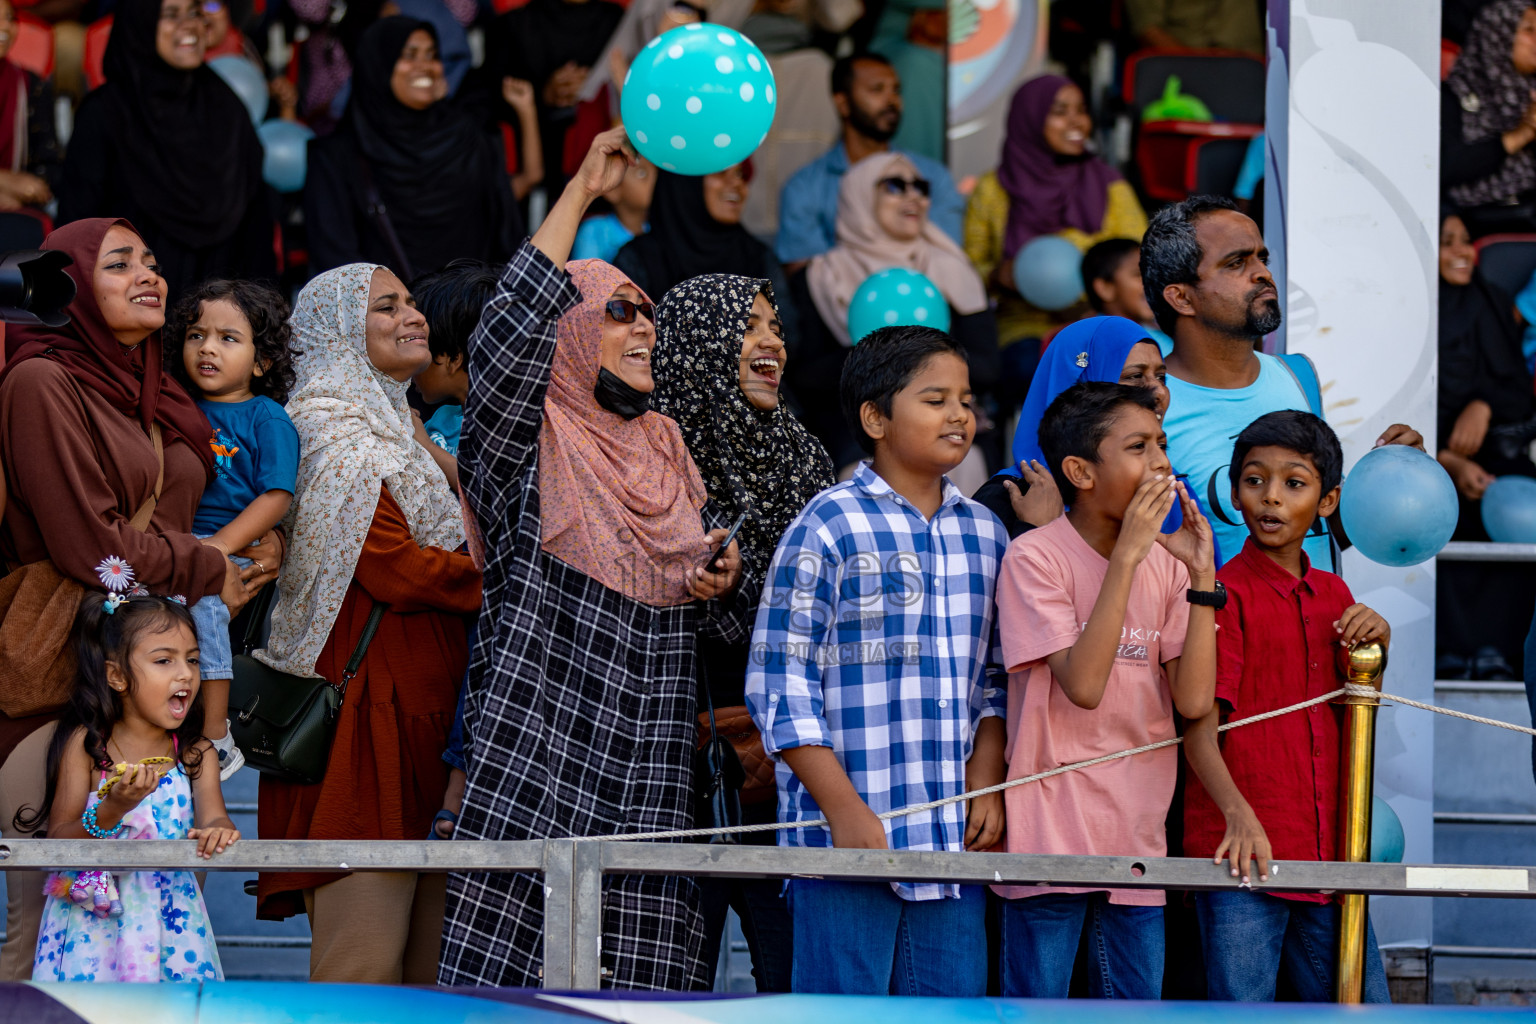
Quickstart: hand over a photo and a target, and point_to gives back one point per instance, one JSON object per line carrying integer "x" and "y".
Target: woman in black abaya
{"x": 1487, "y": 419}
{"x": 166, "y": 144}
{"x": 408, "y": 180}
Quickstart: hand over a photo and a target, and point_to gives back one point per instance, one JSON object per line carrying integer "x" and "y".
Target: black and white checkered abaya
{"x": 579, "y": 710}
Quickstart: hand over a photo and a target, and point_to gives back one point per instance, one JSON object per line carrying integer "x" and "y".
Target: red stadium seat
{"x": 96, "y": 51}
{"x": 1176, "y": 158}
{"x": 33, "y": 49}
{"x": 1182, "y": 158}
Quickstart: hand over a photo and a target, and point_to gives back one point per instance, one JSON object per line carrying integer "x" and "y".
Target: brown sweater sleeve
{"x": 394, "y": 569}
{"x": 65, "y": 461}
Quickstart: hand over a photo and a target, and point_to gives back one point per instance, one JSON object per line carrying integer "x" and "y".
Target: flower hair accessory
{"x": 115, "y": 573}
{"x": 114, "y": 600}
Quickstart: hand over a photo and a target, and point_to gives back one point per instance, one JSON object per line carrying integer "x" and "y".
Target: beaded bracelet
{"x": 88, "y": 821}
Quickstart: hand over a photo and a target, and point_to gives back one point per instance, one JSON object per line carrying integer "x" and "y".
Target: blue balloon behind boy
{"x": 1399, "y": 507}
{"x": 896, "y": 297}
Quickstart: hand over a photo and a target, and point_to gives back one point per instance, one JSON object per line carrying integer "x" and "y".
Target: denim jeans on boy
{"x": 1041, "y": 935}
{"x": 860, "y": 938}
{"x": 1249, "y": 937}
{"x": 210, "y": 617}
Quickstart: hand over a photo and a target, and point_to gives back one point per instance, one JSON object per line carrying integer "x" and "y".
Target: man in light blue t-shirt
{"x": 1206, "y": 273}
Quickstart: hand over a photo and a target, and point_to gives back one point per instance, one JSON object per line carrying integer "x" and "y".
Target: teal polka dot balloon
{"x": 698, "y": 99}
{"x": 896, "y": 296}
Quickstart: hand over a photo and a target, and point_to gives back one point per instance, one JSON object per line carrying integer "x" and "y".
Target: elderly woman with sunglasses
{"x": 600, "y": 573}
{"x": 882, "y": 222}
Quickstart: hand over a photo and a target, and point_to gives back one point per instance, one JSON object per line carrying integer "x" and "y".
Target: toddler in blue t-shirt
{"x": 228, "y": 342}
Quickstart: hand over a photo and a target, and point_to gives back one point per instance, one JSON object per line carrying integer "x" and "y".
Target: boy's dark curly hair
{"x": 267, "y": 313}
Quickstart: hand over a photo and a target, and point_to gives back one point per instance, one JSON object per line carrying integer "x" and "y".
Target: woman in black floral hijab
{"x": 719, "y": 366}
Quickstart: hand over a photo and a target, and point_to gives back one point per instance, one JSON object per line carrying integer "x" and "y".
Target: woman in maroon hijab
{"x": 89, "y": 503}
{"x": 1047, "y": 183}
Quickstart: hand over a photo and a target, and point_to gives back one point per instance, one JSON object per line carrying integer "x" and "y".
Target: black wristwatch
{"x": 1216, "y": 598}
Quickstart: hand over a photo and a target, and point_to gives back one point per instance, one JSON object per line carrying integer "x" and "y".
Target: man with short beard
{"x": 1205, "y": 269}
{"x": 867, "y": 93}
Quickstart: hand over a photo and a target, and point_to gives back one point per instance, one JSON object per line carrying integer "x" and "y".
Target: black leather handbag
{"x": 284, "y": 723}
{"x": 717, "y": 777}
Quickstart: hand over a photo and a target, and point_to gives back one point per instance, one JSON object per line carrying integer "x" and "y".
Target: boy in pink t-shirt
{"x": 1107, "y": 626}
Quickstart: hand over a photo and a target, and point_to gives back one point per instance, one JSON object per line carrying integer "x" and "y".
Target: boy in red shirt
{"x": 1270, "y": 791}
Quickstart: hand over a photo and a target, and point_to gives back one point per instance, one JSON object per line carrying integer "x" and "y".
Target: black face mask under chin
{"x": 619, "y": 398}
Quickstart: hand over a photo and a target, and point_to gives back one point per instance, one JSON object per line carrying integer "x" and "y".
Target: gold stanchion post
{"x": 1361, "y": 665}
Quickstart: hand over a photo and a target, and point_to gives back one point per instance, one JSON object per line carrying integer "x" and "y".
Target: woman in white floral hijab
{"x": 373, "y": 522}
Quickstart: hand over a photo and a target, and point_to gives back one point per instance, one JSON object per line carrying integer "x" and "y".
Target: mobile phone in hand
{"x": 713, "y": 565}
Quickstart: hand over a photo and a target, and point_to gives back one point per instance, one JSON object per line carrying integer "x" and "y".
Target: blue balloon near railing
{"x": 897, "y": 296}
{"x": 1048, "y": 272}
{"x": 698, "y": 99}
{"x": 247, "y": 80}
{"x": 285, "y": 149}
{"x": 1387, "y": 838}
{"x": 1398, "y": 506}
{"x": 1509, "y": 510}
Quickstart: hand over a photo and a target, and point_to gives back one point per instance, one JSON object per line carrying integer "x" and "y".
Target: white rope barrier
{"x": 1347, "y": 690}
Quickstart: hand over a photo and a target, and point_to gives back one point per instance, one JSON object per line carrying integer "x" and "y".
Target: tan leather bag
{"x": 735, "y": 726}
{"x": 38, "y": 605}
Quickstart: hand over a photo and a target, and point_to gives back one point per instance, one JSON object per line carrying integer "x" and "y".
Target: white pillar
{"x": 1351, "y": 209}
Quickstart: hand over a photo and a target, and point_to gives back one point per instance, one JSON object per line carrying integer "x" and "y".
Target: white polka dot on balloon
{"x": 872, "y": 297}
{"x": 675, "y": 51}
{"x": 653, "y": 43}
{"x": 668, "y": 167}
{"x": 722, "y": 140}
{"x": 747, "y": 92}
{"x": 724, "y": 65}
{"x": 768, "y": 93}
{"x": 928, "y": 291}
{"x": 694, "y": 105}
{"x": 694, "y": 27}
{"x": 641, "y": 136}
{"x": 678, "y": 142}
{"x": 921, "y": 313}
{"x": 903, "y": 289}
{"x": 753, "y": 62}
{"x": 727, "y": 40}
{"x": 890, "y": 316}
{"x": 653, "y": 101}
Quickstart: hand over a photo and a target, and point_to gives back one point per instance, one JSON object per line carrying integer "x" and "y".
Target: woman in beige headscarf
{"x": 373, "y": 522}
{"x": 882, "y": 222}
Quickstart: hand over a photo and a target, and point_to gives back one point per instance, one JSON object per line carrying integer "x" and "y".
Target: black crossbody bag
{"x": 284, "y": 724}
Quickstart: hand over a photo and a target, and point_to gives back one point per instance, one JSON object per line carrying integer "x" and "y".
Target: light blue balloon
{"x": 896, "y": 296}
{"x": 698, "y": 99}
{"x": 247, "y": 80}
{"x": 1048, "y": 272}
{"x": 285, "y": 146}
{"x": 1398, "y": 507}
{"x": 1509, "y": 510}
{"x": 1387, "y": 838}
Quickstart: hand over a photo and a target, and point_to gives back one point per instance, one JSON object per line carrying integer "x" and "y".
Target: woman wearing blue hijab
{"x": 1108, "y": 349}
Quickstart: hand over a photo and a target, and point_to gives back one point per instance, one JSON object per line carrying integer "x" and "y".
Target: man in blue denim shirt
{"x": 867, "y": 94}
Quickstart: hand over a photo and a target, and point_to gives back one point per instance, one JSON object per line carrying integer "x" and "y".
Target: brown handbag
{"x": 734, "y": 725}
{"x": 38, "y": 605}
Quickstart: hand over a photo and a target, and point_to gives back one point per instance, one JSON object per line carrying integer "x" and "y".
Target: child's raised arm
{"x": 1082, "y": 670}
{"x": 1192, "y": 675}
{"x": 253, "y": 522}
{"x": 214, "y": 830}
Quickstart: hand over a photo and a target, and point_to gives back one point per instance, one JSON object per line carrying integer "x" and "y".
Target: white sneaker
{"x": 231, "y": 759}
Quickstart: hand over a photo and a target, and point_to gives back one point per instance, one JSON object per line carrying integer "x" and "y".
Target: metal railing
{"x": 573, "y": 873}
{"x": 1485, "y": 551}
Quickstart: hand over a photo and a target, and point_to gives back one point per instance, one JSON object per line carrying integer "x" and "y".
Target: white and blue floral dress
{"x": 163, "y": 933}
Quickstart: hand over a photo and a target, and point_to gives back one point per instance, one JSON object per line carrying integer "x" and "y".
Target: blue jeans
{"x": 1041, "y": 936}
{"x": 1249, "y": 936}
{"x": 860, "y": 938}
{"x": 210, "y": 616}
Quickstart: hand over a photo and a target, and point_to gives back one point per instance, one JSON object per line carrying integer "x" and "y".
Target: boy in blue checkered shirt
{"x": 870, "y": 683}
